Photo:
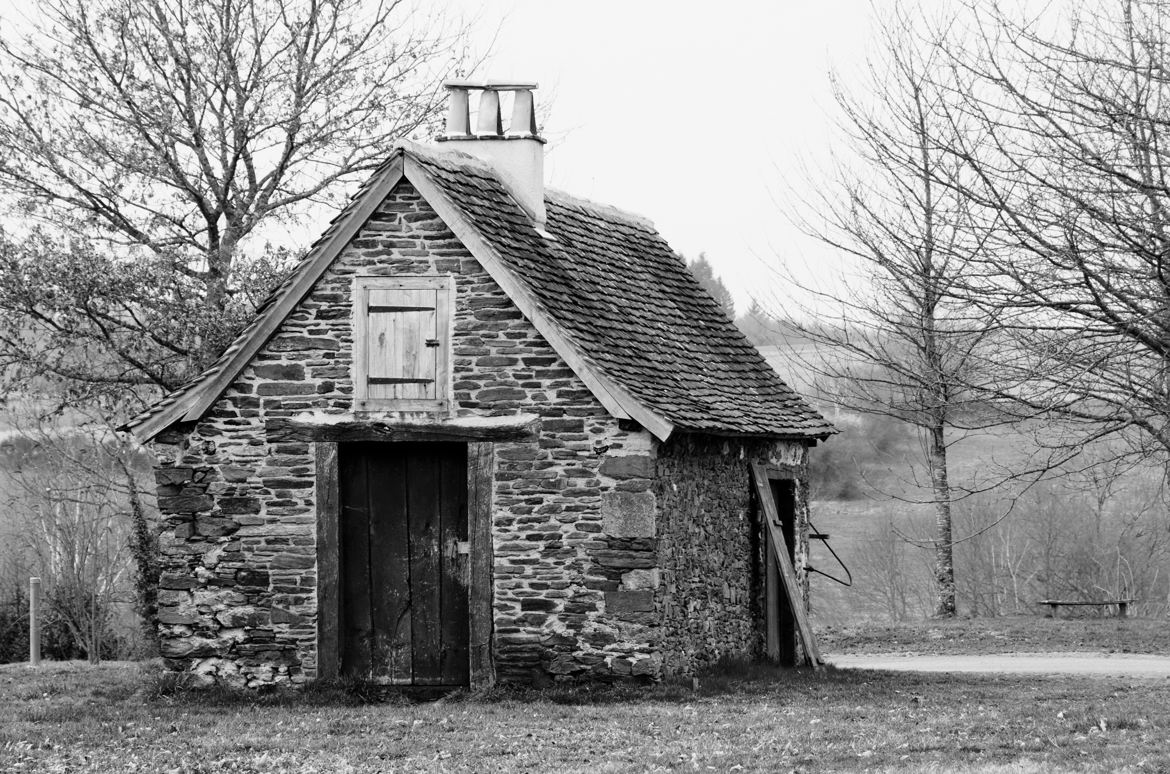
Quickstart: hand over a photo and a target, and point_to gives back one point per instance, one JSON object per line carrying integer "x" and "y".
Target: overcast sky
{"x": 696, "y": 115}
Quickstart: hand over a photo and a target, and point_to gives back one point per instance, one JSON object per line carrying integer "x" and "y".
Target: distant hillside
{"x": 870, "y": 487}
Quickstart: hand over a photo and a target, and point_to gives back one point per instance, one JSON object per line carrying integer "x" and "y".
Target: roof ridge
{"x": 438, "y": 154}
{"x": 599, "y": 209}
{"x": 435, "y": 153}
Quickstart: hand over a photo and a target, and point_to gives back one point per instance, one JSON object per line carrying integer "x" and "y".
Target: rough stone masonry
{"x": 615, "y": 556}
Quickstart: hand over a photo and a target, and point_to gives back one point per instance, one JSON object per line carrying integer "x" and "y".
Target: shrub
{"x": 57, "y": 640}
{"x": 856, "y": 463}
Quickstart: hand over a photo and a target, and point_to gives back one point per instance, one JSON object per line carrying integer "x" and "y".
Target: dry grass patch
{"x": 1014, "y": 634}
{"x": 80, "y": 719}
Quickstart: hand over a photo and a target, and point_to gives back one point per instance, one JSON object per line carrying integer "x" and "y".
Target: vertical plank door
{"x": 454, "y": 661}
{"x": 404, "y": 563}
{"x": 356, "y": 632}
{"x": 391, "y": 610}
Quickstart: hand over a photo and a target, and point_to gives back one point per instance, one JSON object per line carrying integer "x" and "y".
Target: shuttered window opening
{"x": 401, "y": 343}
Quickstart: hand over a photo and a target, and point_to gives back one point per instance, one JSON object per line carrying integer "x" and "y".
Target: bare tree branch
{"x": 156, "y": 138}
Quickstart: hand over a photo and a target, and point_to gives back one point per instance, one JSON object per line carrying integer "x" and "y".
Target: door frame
{"x": 480, "y": 467}
{"x": 780, "y": 642}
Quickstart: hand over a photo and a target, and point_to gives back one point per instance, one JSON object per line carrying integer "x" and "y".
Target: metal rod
{"x": 816, "y": 534}
{"x": 34, "y": 621}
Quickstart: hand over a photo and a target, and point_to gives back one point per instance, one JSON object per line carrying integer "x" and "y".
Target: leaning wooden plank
{"x": 787, "y": 574}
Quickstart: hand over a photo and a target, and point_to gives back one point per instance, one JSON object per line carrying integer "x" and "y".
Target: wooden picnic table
{"x": 1122, "y": 605}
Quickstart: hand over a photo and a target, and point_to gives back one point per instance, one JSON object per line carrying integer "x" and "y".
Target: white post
{"x": 34, "y": 621}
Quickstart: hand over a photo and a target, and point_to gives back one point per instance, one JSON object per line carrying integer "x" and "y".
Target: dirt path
{"x": 1089, "y": 664}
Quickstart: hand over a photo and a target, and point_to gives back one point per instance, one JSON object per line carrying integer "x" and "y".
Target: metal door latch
{"x": 463, "y": 546}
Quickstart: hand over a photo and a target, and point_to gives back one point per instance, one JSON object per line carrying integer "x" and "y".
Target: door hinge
{"x": 463, "y": 546}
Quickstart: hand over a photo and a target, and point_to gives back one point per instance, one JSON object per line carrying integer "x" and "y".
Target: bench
{"x": 1122, "y": 605}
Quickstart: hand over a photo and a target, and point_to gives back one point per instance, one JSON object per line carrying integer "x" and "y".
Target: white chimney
{"x": 516, "y": 155}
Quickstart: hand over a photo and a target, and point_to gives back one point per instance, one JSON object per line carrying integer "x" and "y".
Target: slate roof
{"x": 618, "y": 291}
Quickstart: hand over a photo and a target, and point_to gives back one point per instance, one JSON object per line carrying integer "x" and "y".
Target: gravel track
{"x": 1089, "y": 664}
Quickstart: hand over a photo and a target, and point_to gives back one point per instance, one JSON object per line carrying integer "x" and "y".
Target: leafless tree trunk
{"x": 900, "y": 343}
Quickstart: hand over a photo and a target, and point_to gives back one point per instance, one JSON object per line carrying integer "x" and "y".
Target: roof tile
{"x": 615, "y": 286}
{"x": 632, "y": 305}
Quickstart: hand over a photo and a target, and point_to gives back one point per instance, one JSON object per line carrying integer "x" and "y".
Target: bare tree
{"x": 160, "y": 143}
{"x": 899, "y": 342}
{"x": 67, "y": 511}
{"x": 889, "y": 578}
{"x": 998, "y": 562}
{"x": 1071, "y": 174}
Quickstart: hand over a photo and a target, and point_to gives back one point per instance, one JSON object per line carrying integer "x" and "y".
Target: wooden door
{"x": 404, "y": 563}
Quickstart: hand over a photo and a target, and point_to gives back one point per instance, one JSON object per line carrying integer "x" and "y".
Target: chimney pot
{"x": 518, "y": 156}
{"x": 458, "y": 116}
{"x": 523, "y": 122}
{"x": 488, "y": 122}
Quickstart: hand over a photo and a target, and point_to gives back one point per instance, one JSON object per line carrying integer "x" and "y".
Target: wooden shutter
{"x": 401, "y": 343}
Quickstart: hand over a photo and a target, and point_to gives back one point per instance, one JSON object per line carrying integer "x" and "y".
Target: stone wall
{"x": 711, "y": 549}
{"x": 575, "y": 546}
{"x": 561, "y": 608}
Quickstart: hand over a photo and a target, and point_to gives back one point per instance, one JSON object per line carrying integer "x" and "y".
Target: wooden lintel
{"x": 783, "y": 472}
{"x": 281, "y": 430}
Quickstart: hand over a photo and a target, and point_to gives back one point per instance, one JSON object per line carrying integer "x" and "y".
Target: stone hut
{"x": 484, "y": 431}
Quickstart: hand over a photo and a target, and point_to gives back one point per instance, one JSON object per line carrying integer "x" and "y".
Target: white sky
{"x": 697, "y": 115}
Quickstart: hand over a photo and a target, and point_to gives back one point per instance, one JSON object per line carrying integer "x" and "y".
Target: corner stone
{"x": 629, "y": 466}
{"x": 628, "y": 514}
{"x": 641, "y": 580}
{"x": 619, "y": 602}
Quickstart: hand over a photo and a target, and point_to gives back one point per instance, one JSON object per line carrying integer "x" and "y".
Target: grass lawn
{"x": 1018, "y": 634}
{"x": 76, "y": 718}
